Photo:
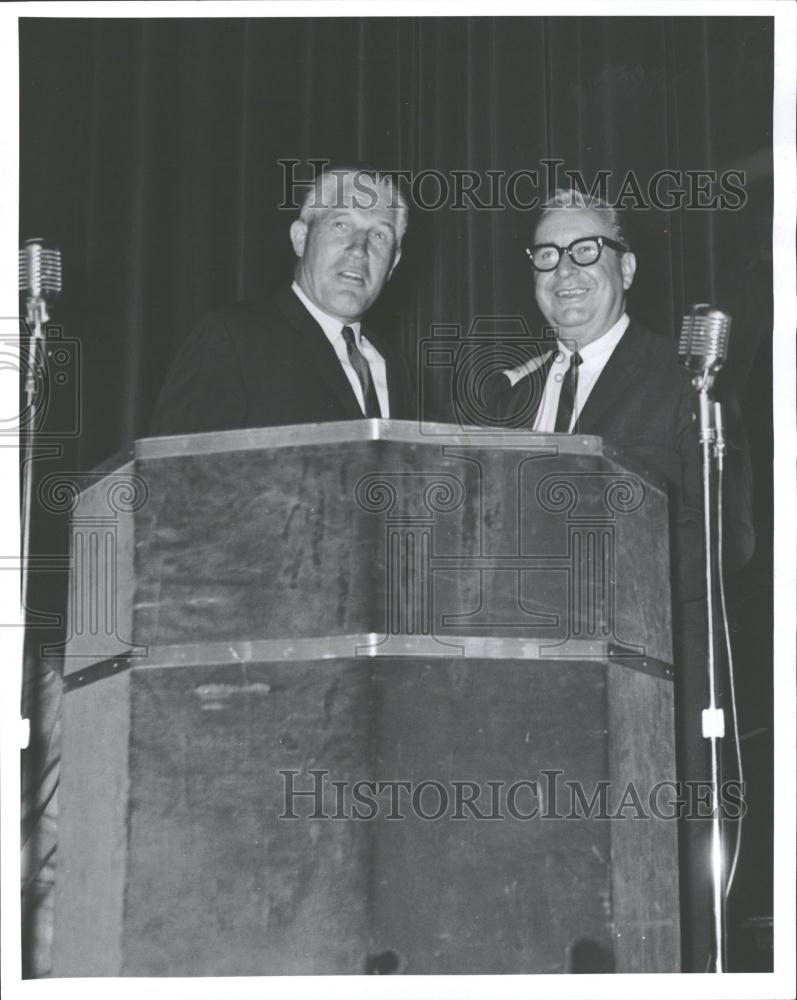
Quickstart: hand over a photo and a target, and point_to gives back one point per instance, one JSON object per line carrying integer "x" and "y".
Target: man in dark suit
{"x": 305, "y": 356}
{"x": 607, "y": 375}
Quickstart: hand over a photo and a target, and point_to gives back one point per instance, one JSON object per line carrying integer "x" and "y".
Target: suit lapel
{"x": 521, "y": 402}
{"x": 620, "y": 371}
{"x": 319, "y": 352}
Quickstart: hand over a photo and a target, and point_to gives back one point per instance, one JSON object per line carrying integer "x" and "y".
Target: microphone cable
{"x": 729, "y": 653}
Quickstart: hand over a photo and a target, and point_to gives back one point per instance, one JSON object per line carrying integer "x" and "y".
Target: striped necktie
{"x": 360, "y": 365}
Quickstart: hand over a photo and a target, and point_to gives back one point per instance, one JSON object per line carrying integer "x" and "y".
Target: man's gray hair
{"x": 325, "y": 194}
{"x": 574, "y": 198}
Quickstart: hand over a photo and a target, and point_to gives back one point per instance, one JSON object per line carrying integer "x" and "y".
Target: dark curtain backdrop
{"x": 150, "y": 148}
{"x": 149, "y": 153}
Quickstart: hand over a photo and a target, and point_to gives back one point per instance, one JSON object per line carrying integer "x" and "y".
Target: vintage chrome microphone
{"x": 39, "y": 278}
{"x": 40, "y": 283}
{"x": 703, "y": 346}
{"x": 702, "y": 349}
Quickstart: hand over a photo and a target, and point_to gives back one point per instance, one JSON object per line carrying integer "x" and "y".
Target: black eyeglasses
{"x": 584, "y": 252}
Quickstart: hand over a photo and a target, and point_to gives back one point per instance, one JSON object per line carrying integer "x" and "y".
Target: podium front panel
{"x": 254, "y": 840}
{"x": 286, "y": 537}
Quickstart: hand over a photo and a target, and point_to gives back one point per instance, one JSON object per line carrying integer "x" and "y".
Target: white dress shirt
{"x": 593, "y": 359}
{"x": 332, "y": 329}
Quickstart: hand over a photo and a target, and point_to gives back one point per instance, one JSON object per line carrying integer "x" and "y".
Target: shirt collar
{"x": 329, "y": 324}
{"x": 604, "y": 344}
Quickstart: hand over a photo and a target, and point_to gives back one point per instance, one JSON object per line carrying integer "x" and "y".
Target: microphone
{"x": 703, "y": 346}
{"x": 39, "y": 278}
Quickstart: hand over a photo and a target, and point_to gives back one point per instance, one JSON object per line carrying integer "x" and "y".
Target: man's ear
{"x": 628, "y": 267}
{"x": 396, "y": 259}
{"x": 298, "y": 236}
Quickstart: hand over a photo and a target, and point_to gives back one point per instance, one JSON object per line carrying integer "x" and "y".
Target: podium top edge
{"x": 354, "y": 431}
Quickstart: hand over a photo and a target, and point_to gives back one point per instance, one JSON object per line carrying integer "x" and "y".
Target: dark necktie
{"x": 360, "y": 365}
{"x": 567, "y": 396}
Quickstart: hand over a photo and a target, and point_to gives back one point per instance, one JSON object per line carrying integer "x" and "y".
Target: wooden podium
{"x": 367, "y": 697}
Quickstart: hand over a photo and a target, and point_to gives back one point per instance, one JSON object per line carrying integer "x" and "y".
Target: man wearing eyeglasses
{"x": 582, "y": 270}
{"x": 604, "y": 374}
{"x": 607, "y": 375}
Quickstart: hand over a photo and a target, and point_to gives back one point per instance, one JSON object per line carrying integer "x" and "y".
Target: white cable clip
{"x": 713, "y": 723}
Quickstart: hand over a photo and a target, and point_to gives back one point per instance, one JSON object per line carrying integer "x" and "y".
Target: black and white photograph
{"x": 399, "y": 441}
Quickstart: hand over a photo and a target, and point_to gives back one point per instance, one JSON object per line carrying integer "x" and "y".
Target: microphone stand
{"x": 713, "y": 719}
{"x": 36, "y": 316}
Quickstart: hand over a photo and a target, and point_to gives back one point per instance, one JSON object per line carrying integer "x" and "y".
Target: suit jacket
{"x": 263, "y": 366}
